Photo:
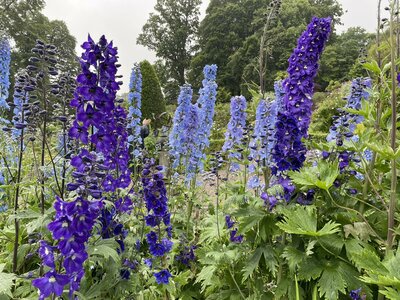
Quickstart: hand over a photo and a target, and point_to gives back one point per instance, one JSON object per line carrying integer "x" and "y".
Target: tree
{"x": 23, "y": 23}
{"x": 221, "y": 33}
{"x": 170, "y": 32}
{"x": 153, "y": 104}
{"x": 339, "y": 59}
{"x": 230, "y": 35}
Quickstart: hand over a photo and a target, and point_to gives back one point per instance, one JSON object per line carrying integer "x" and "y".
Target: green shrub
{"x": 325, "y": 107}
{"x": 153, "y": 103}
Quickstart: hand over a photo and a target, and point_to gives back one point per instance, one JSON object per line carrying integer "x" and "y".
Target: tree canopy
{"x": 171, "y": 31}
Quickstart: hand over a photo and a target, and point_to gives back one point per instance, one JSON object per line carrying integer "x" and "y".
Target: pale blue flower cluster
{"x": 192, "y": 125}
{"x": 5, "y": 59}
{"x": 235, "y": 131}
{"x": 135, "y": 113}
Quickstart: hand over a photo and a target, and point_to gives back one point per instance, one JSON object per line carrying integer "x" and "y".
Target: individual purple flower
{"x": 269, "y": 200}
{"x": 162, "y": 277}
{"x": 229, "y": 222}
{"x": 235, "y": 131}
{"x": 186, "y": 254}
{"x": 46, "y": 254}
{"x": 233, "y": 236}
{"x": 51, "y": 283}
{"x": 356, "y": 295}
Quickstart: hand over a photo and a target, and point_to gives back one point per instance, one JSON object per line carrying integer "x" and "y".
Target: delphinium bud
{"x": 235, "y": 131}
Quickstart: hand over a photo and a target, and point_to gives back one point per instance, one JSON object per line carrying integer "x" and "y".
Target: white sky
{"x": 122, "y": 21}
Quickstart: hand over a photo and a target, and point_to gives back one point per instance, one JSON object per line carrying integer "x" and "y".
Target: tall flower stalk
{"x": 135, "y": 113}
{"x": 101, "y": 166}
{"x": 158, "y": 218}
{"x": 22, "y": 87}
{"x": 235, "y": 131}
{"x": 5, "y": 59}
{"x": 293, "y": 122}
{"x": 393, "y": 133}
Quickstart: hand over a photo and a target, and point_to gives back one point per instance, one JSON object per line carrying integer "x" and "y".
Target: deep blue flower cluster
{"x": 101, "y": 165}
{"x": 186, "y": 254}
{"x": 5, "y": 59}
{"x": 292, "y": 123}
{"x": 235, "y": 131}
{"x": 263, "y": 138}
{"x": 158, "y": 216}
{"x": 135, "y": 113}
{"x": 233, "y": 236}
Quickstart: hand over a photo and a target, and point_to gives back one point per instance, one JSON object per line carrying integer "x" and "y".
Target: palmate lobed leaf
{"x": 322, "y": 176}
{"x": 6, "y": 281}
{"x": 303, "y": 220}
{"x": 331, "y": 283}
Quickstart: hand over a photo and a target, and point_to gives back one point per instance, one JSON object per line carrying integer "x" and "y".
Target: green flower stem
{"x": 393, "y": 185}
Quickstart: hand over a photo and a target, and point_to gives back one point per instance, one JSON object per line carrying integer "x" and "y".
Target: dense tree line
{"x": 23, "y": 22}
{"x": 229, "y": 36}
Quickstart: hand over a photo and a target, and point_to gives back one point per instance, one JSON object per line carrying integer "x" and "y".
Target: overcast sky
{"x": 122, "y": 21}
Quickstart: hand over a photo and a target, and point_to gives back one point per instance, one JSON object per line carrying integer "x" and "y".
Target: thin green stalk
{"x": 217, "y": 207}
{"x": 237, "y": 286}
{"x": 190, "y": 206}
{"x": 393, "y": 185}
{"x": 16, "y": 201}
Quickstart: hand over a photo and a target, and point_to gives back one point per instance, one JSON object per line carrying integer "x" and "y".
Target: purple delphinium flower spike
{"x": 292, "y": 123}
{"x": 100, "y": 166}
{"x": 158, "y": 216}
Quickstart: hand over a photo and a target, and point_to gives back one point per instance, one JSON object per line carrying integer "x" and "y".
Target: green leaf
{"x": 310, "y": 268}
{"x": 322, "y": 176}
{"x": 105, "y": 248}
{"x": 373, "y": 67}
{"x": 205, "y": 277}
{"x": 270, "y": 259}
{"x": 359, "y": 230}
{"x": 252, "y": 264}
{"x": 303, "y": 177}
{"x": 303, "y": 220}
{"x": 331, "y": 282}
{"x": 391, "y": 294}
{"x": 6, "y": 282}
{"x": 294, "y": 257}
